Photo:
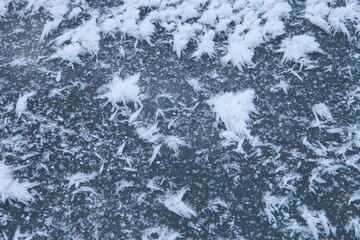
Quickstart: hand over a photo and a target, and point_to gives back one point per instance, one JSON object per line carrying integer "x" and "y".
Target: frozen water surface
{"x": 179, "y": 119}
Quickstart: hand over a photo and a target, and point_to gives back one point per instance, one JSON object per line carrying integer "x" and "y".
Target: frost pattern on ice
{"x": 333, "y": 19}
{"x": 298, "y": 47}
{"x": 13, "y": 189}
{"x": 234, "y": 110}
{"x": 174, "y": 203}
{"x": 316, "y": 223}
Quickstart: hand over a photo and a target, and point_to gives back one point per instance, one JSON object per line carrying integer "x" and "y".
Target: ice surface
{"x": 109, "y": 108}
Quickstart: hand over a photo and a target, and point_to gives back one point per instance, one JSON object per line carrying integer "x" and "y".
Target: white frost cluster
{"x": 83, "y": 39}
{"x": 234, "y": 109}
{"x": 12, "y": 189}
{"x": 174, "y": 203}
{"x": 163, "y": 233}
{"x": 333, "y": 19}
{"x": 317, "y": 223}
{"x": 298, "y": 47}
{"x": 78, "y": 178}
{"x": 122, "y": 91}
{"x": 354, "y": 224}
{"x": 273, "y": 204}
{"x": 321, "y": 112}
{"x": 21, "y": 104}
{"x": 245, "y": 24}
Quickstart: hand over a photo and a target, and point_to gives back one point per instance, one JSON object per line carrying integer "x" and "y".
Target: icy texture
{"x": 125, "y": 115}
{"x": 13, "y": 189}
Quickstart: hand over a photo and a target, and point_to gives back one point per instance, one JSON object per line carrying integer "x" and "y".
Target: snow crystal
{"x": 354, "y": 224}
{"x": 317, "y": 222}
{"x": 282, "y": 85}
{"x": 155, "y": 153}
{"x": 21, "y": 104}
{"x": 297, "y": 48}
{"x": 12, "y": 189}
{"x": 78, "y": 178}
{"x": 124, "y": 91}
{"x": 174, "y": 203}
{"x": 173, "y": 142}
{"x": 273, "y": 204}
{"x": 320, "y": 110}
{"x": 234, "y": 109}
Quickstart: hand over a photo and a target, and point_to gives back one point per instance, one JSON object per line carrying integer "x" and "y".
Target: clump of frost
{"x": 83, "y": 39}
{"x": 332, "y": 19}
{"x": 297, "y": 48}
{"x": 239, "y": 54}
{"x": 234, "y": 109}
{"x": 317, "y": 222}
{"x": 354, "y": 197}
{"x": 183, "y": 35}
{"x": 215, "y": 203}
{"x": 149, "y": 133}
{"x": 206, "y": 45}
{"x": 354, "y": 224}
{"x": 320, "y": 110}
{"x": 319, "y": 151}
{"x": 280, "y": 86}
{"x": 122, "y": 91}
{"x": 161, "y": 233}
{"x": 288, "y": 180}
{"x": 316, "y": 12}
{"x": 78, "y": 178}
{"x": 174, "y": 203}
{"x": 174, "y": 142}
{"x": 21, "y": 104}
{"x": 12, "y": 189}
{"x": 273, "y": 204}
{"x": 123, "y": 184}
{"x": 4, "y": 7}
